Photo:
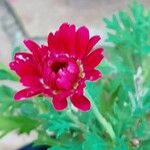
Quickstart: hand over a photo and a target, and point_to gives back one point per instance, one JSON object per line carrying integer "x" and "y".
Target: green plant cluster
{"x": 122, "y": 96}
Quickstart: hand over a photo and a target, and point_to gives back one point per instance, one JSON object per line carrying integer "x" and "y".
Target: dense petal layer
{"x": 26, "y": 93}
{"x": 63, "y": 83}
{"x": 73, "y": 68}
{"x": 93, "y": 59}
{"x": 59, "y": 102}
{"x": 49, "y": 77}
{"x": 66, "y": 74}
{"x": 81, "y": 102}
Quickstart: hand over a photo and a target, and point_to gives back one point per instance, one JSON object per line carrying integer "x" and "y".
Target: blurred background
{"x": 20, "y": 19}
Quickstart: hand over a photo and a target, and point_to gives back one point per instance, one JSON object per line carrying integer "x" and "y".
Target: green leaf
{"x": 44, "y": 139}
{"x": 59, "y": 127}
{"x": 94, "y": 142}
{"x": 28, "y": 109}
{"x": 144, "y": 145}
{"x": 6, "y": 101}
{"x": 72, "y": 147}
{"x": 6, "y": 74}
{"x": 126, "y": 20}
{"x": 57, "y": 148}
{"x": 6, "y": 92}
{"x": 94, "y": 89}
{"x": 130, "y": 34}
{"x": 20, "y": 123}
{"x": 121, "y": 144}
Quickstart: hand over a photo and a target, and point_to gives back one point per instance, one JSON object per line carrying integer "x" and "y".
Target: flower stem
{"x": 100, "y": 118}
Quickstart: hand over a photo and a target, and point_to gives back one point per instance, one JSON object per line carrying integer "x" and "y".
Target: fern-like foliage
{"x": 130, "y": 34}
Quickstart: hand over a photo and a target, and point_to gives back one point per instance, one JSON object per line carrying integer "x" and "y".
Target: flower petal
{"x": 49, "y": 77}
{"x": 81, "y": 102}
{"x": 57, "y": 41}
{"x": 64, "y": 27}
{"x": 80, "y": 88}
{"x": 59, "y": 102}
{"x": 63, "y": 83}
{"x": 31, "y": 81}
{"x": 23, "y": 57}
{"x": 82, "y": 38}
{"x": 31, "y": 45}
{"x": 92, "y": 43}
{"x": 67, "y": 36}
{"x": 70, "y": 40}
{"x": 93, "y": 59}
{"x": 63, "y": 40}
{"x": 26, "y": 93}
{"x": 34, "y": 48}
{"x": 50, "y": 41}
{"x": 73, "y": 68}
{"x": 62, "y": 36}
{"x": 23, "y": 69}
{"x": 47, "y": 92}
{"x": 93, "y": 75}
{"x": 65, "y": 74}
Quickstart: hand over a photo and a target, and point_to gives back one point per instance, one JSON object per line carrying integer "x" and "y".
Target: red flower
{"x": 60, "y": 69}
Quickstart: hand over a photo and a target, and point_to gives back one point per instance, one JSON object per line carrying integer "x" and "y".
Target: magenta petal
{"x": 93, "y": 59}
{"x": 92, "y": 43}
{"x": 26, "y": 93}
{"x": 23, "y": 69}
{"x": 34, "y": 48}
{"x": 66, "y": 38}
{"x": 31, "y": 45}
{"x": 23, "y": 57}
{"x": 93, "y": 75}
{"x": 73, "y": 68}
{"x": 50, "y": 41}
{"x": 63, "y": 83}
{"x": 81, "y": 102}
{"x": 24, "y": 64}
{"x": 64, "y": 26}
{"x": 70, "y": 40}
{"x": 49, "y": 77}
{"x": 47, "y": 92}
{"x": 61, "y": 38}
{"x": 82, "y": 38}
{"x": 80, "y": 88}
{"x": 32, "y": 81}
{"x": 66, "y": 74}
{"x": 59, "y": 102}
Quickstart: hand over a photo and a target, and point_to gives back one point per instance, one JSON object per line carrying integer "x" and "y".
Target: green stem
{"x": 100, "y": 118}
